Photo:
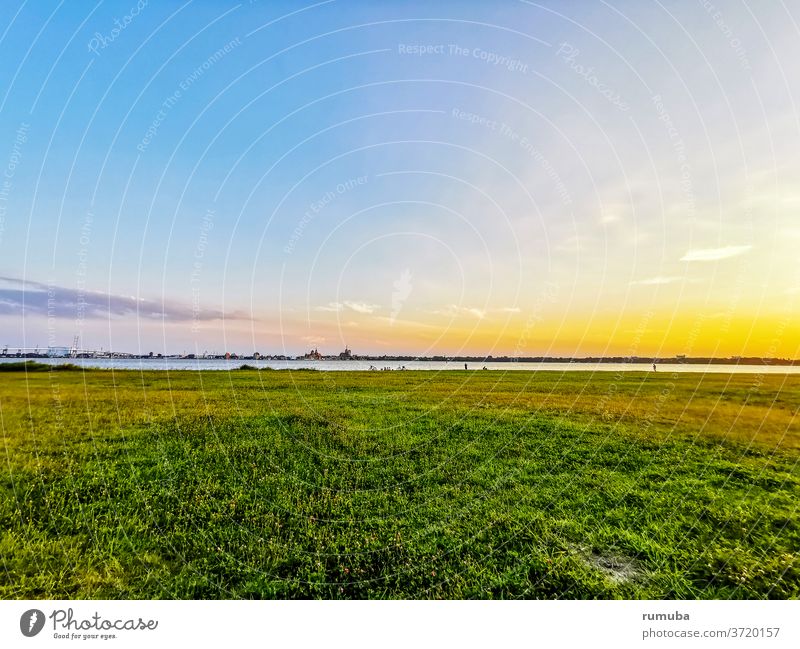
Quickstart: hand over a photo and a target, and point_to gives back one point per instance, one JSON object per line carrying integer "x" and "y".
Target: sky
{"x": 510, "y": 178}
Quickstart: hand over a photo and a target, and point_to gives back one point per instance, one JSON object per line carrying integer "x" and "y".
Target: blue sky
{"x": 264, "y": 175}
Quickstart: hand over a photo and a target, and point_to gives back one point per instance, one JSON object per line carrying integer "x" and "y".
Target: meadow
{"x": 484, "y": 484}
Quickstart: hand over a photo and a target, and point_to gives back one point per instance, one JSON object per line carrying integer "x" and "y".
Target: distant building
{"x": 313, "y": 355}
{"x": 346, "y": 355}
{"x": 256, "y": 355}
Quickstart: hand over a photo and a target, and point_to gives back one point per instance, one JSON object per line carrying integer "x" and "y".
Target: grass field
{"x": 305, "y": 484}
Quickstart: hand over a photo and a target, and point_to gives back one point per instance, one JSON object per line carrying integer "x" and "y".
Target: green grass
{"x": 33, "y": 366}
{"x": 290, "y": 484}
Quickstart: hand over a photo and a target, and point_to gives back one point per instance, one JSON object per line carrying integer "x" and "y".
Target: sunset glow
{"x": 518, "y": 180}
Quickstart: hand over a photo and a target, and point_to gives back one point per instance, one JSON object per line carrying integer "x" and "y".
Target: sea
{"x": 335, "y": 366}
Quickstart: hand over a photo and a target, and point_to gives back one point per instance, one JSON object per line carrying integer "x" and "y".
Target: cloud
{"x": 362, "y": 307}
{"x": 358, "y": 307}
{"x": 331, "y": 306}
{"x": 453, "y": 310}
{"x": 402, "y": 289}
{"x": 713, "y": 254}
{"x": 657, "y": 281}
{"x": 19, "y": 295}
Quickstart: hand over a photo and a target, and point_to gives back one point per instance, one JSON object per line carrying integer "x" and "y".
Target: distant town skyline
{"x": 315, "y": 354}
{"x": 454, "y": 178}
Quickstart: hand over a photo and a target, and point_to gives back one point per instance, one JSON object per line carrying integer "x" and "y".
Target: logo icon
{"x": 31, "y": 622}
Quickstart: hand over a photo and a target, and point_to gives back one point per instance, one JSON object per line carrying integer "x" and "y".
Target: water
{"x": 220, "y": 364}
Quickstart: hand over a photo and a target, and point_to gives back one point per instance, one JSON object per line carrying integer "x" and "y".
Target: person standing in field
{"x": 465, "y": 366}
{"x": 654, "y": 367}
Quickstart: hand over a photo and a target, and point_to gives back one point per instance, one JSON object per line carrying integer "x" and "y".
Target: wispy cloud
{"x": 656, "y": 281}
{"x": 713, "y": 254}
{"x": 453, "y": 310}
{"x": 330, "y": 306}
{"x": 19, "y": 295}
{"x": 362, "y": 307}
{"x": 402, "y": 289}
{"x": 358, "y": 307}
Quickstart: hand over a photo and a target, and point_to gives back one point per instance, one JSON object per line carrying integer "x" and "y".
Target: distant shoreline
{"x": 178, "y": 364}
{"x": 587, "y": 360}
